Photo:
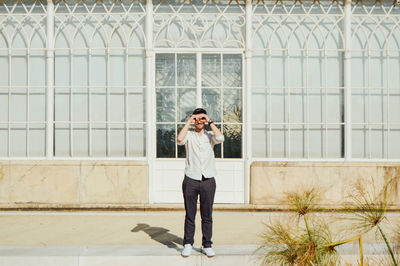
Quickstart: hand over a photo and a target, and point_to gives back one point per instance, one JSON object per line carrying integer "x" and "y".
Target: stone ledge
{"x": 170, "y": 207}
{"x": 256, "y": 163}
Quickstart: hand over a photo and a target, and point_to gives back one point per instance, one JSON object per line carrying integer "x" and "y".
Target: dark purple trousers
{"x": 191, "y": 190}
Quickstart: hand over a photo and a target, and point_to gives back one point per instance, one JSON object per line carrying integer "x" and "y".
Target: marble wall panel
{"x": 104, "y": 182}
{"x": 44, "y": 182}
{"x": 5, "y": 183}
{"x": 337, "y": 181}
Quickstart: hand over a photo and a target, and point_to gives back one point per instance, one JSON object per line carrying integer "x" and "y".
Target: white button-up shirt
{"x": 200, "y": 158}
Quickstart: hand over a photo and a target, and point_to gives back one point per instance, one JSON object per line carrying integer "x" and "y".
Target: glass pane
{"x": 298, "y": 105}
{"x": 279, "y": 106}
{"x": 186, "y": 103}
{"x": 79, "y": 70}
{"x": 181, "y": 149}
{"x": 3, "y": 141}
{"x": 3, "y": 105}
{"x": 61, "y": 140}
{"x": 394, "y": 106}
{"x": 37, "y": 105}
{"x": 187, "y": 70}
{"x": 260, "y": 141}
{"x": 166, "y": 141}
{"x": 279, "y": 139}
{"x": 3, "y": 69}
{"x": 117, "y": 140}
{"x": 18, "y": 70}
{"x": 80, "y": 105}
{"x": 316, "y": 138}
{"x": 394, "y": 144}
{"x": 335, "y": 141}
{"x": 217, "y": 147}
{"x": 378, "y": 141}
{"x": 211, "y": 70}
{"x": 165, "y": 70}
{"x": 99, "y": 140}
{"x": 359, "y": 141}
{"x": 232, "y": 70}
{"x": 378, "y": 105}
{"x": 233, "y": 141}
{"x": 62, "y": 69}
{"x": 232, "y": 105}
{"x": 61, "y": 105}
{"x": 117, "y": 66}
{"x": 334, "y": 106}
{"x": 99, "y": 68}
{"x": 259, "y": 105}
{"x": 38, "y": 70}
{"x": 117, "y": 107}
{"x": 259, "y": 69}
{"x": 137, "y": 140}
{"x": 37, "y": 140}
{"x": 316, "y": 107}
{"x": 166, "y": 103}
{"x": 98, "y": 106}
{"x": 80, "y": 140}
{"x": 359, "y": 105}
{"x": 136, "y": 105}
{"x": 18, "y": 107}
{"x": 18, "y": 141}
{"x": 211, "y": 101}
{"x": 298, "y": 141}
{"x": 136, "y": 68}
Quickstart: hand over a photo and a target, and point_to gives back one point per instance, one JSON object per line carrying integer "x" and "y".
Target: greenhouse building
{"x": 93, "y": 94}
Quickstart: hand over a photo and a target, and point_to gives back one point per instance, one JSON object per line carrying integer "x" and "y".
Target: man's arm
{"x": 218, "y": 137}
{"x": 182, "y": 134}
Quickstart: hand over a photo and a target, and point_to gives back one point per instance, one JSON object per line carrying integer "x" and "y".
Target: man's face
{"x": 199, "y": 121}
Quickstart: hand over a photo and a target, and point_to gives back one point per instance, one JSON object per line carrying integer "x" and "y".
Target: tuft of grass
{"x": 284, "y": 244}
{"x": 305, "y": 201}
{"x": 370, "y": 207}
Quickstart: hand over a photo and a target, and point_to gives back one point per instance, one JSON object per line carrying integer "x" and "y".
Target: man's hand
{"x": 203, "y": 117}
{"x": 191, "y": 119}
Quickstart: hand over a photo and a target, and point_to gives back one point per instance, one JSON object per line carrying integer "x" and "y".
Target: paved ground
{"x": 133, "y": 238}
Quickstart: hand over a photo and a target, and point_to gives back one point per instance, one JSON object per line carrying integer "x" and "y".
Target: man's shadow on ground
{"x": 160, "y": 235}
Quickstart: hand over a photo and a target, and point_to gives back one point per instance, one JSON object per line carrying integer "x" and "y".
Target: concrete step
{"x": 157, "y": 255}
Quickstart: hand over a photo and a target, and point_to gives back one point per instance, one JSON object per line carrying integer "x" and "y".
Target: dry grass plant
{"x": 305, "y": 241}
{"x": 370, "y": 207}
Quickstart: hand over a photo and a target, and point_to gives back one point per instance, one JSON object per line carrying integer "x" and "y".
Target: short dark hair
{"x": 199, "y": 111}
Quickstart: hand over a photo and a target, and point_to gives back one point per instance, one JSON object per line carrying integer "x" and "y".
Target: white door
{"x": 184, "y": 81}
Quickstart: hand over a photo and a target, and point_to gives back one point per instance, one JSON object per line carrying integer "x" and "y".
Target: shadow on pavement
{"x": 160, "y": 235}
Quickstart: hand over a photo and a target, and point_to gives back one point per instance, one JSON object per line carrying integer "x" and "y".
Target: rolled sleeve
{"x": 218, "y": 139}
{"x": 183, "y": 142}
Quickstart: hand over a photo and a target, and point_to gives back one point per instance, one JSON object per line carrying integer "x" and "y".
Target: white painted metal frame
{"x": 279, "y": 13}
{"x": 226, "y": 46}
{"x": 26, "y": 23}
{"x": 122, "y": 12}
{"x": 50, "y": 81}
{"x": 375, "y": 30}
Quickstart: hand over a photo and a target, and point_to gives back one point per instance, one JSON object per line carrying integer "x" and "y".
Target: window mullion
{"x": 50, "y": 81}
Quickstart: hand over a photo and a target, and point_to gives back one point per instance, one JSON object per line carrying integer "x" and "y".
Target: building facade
{"x": 93, "y": 94}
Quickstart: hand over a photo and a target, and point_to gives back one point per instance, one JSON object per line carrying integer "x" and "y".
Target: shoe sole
{"x": 208, "y": 255}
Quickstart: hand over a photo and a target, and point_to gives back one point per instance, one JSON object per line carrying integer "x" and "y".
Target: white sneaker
{"x": 187, "y": 250}
{"x": 208, "y": 251}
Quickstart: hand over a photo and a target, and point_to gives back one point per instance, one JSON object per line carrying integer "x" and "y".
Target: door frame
{"x": 151, "y": 93}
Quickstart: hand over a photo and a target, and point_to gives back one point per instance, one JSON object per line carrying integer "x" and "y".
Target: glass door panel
{"x": 220, "y": 94}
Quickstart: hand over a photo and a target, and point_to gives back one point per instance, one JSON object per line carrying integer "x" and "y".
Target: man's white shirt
{"x": 200, "y": 158}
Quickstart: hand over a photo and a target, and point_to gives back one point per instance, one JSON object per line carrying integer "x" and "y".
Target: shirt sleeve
{"x": 217, "y": 139}
{"x": 183, "y": 142}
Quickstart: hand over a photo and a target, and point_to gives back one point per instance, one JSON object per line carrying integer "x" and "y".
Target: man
{"x": 199, "y": 179}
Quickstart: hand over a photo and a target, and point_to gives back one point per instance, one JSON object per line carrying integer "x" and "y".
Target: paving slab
{"x": 144, "y": 238}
